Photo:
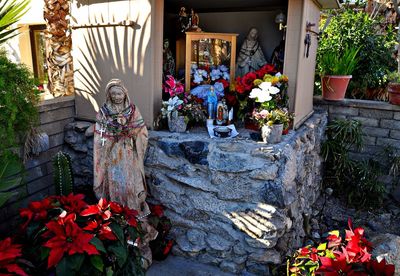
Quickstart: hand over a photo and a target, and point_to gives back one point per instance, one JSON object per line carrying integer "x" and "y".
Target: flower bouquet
{"x": 239, "y": 95}
{"x": 181, "y": 108}
{"x": 272, "y": 123}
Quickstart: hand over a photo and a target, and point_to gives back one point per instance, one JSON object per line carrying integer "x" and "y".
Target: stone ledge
{"x": 68, "y": 101}
{"x": 357, "y": 104}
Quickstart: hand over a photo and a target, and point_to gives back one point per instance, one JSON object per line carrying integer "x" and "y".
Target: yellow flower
{"x": 267, "y": 78}
{"x": 232, "y": 86}
{"x": 257, "y": 82}
{"x": 274, "y": 80}
{"x": 283, "y": 78}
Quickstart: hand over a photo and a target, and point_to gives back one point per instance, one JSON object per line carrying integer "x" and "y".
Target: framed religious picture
{"x": 208, "y": 51}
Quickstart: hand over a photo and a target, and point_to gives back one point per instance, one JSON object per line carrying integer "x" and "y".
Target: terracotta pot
{"x": 334, "y": 87}
{"x": 394, "y": 93}
{"x": 272, "y": 134}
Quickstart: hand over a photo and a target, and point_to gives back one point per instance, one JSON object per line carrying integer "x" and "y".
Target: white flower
{"x": 260, "y": 95}
{"x": 267, "y": 86}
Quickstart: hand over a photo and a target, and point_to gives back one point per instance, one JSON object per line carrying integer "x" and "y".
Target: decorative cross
{"x": 103, "y": 140}
{"x": 102, "y": 130}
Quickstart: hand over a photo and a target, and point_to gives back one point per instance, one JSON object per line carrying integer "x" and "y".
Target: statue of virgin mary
{"x": 120, "y": 142}
{"x": 251, "y": 57}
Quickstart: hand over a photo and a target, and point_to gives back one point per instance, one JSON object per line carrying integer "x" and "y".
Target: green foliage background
{"x": 352, "y": 28}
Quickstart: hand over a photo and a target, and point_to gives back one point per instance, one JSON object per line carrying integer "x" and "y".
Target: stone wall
{"x": 380, "y": 125}
{"x": 236, "y": 203}
{"x": 38, "y": 180}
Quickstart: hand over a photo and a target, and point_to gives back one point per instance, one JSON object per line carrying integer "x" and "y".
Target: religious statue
{"x": 195, "y": 20}
{"x": 120, "y": 142}
{"x": 251, "y": 57}
{"x": 168, "y": 60}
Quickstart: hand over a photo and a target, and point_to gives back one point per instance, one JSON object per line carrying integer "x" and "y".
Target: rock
{"x": 270, "y": 256}
{"x": 195, "y": 182}
{"x": 229, "y": 267}
{"x": 41, "y": 143}
{"x": 195, "y": 151}
{"x": 258, "y": 269}
{"x": 233, "y": 162}
{"x": 196, "y": 236}
{"x": 387, "y": 246}
{"x": 218, "y": 243}
{"x": 89, "y": 131}
{"x": 316, "y": 235}
{"x": 81, "y": 126}
{"x": 396, "y": 193}
{"x": 268, "y": 172}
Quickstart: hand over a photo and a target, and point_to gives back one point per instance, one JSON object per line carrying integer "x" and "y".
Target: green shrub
{"x": 18, "y": 117}
{"x": 352, "y": 28}
{"x": 339, "y": 65}
{"x": 356, "y": 181}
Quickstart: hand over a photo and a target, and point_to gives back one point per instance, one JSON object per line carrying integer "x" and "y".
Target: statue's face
{"x": 253, "y": 34}
{"x": 117, "y": 95}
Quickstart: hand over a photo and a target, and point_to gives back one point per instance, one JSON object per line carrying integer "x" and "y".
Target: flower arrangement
{"x": 173, "y": 87}
{"x": 265, "y": 86}
{"x": 10, "y": 254}
{"x": 67, "y": 236}
{"x": 210, "y": 75}
{"x": 273, "y": 117}
{"x": 348, "y": 256}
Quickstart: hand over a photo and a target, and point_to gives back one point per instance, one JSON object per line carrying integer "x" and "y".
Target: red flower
{"x": 116, "y": 208}
{"x": 266, "y": 69}
{"x": 8, "y": 253}
{"x": 104, "y": 231}
{"x": 37, "y": 211}
{"x": 73, "y": 203}
{"x": 230, "y": 99}
{"x": 304, "y": 251}
{"x": 100, "y": 209}
{"x": 130, "y": 216}
{"x": 239, "y": 86}
{"x": 69, "y": 238}
{"x": 168, "y": 247}
{"x": 224, "y": 82}
{"x": 248, "y": 79}
{"x": 382, "y": 268}
{"x": 157, "y": 210}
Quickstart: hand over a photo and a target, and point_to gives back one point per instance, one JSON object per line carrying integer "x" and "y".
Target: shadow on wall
{"x": 105, "y": 53}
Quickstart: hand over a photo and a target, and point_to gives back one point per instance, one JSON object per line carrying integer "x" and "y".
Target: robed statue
{"x": 251, "y": 57}
{"x": 120, "y": 142}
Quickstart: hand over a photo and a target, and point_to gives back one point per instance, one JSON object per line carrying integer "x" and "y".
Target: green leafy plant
{"x": 393, "y": 77}
{"x": 331, "y": 63}
{"x": 10, "y": 178}
{"x": 10, "y": 12}
{"x": 63, "y": 177}
{"x": 357, "y": 181}
{"x": 354, "y": 28}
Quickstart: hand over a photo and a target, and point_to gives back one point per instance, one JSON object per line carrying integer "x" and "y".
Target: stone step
{"x": 179, "y": 266}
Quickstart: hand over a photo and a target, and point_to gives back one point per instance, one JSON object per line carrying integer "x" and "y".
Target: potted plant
{"x": 172, "y": 109}
{"x": 272, "y": 124}
{"x": 335, "y": 70}
{"x": 394, "y": 87}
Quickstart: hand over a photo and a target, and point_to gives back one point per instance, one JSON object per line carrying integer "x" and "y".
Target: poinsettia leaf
{"x": 97, "y": 262}
{"x": 117, "y": 230}
{"x": 335, "y": 233}
{"x": 63, "y": 268}
{"x": 75, "y": 261}
{"x": 109, "y": 271}
{"x": 98, "y": 244}
{"x": 44, "y": 253}
{"x": 321, "y": 247}
{"x": 120, "y": 252}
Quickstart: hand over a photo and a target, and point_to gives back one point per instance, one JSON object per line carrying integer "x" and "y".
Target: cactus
{"x": 63, "y": 179}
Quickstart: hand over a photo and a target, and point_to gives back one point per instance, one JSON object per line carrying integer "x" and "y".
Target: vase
{"x": 177, "y": 124}
{"x": 272, "y": 134}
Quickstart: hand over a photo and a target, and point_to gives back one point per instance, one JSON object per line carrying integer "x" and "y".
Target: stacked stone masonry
{"x": 234, "y": 203}
{"x": 380, "y": 123}
{"x": 38, "y": 179}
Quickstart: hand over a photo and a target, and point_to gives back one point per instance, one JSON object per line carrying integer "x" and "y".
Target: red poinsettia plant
{"x": 162, "y": 245}
{"x": 338, "y": 256}
{"x": 10, "y": 254}
{"x": 66, "y": 235}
